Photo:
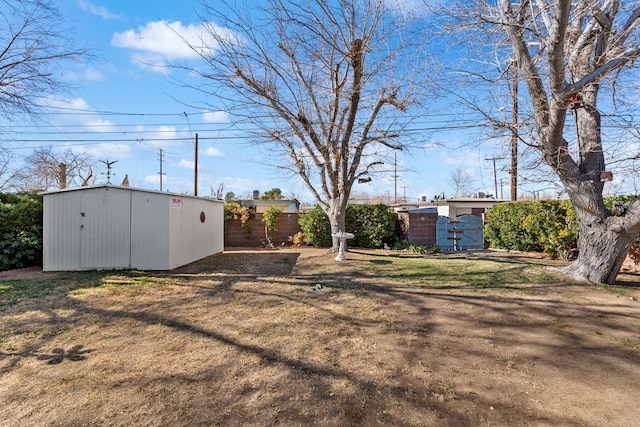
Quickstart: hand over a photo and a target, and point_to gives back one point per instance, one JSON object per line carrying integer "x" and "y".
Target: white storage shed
{"x": 111, "y": 227}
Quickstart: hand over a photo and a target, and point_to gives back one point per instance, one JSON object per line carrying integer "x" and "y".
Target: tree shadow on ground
{"x": 418, "y": 347}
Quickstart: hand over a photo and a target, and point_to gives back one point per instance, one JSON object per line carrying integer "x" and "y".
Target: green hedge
{"x": 20, "y": 230}
{"x": 548, "y": 226}
{"x": 534, "y": 226}
{"x": 372, "y": 225}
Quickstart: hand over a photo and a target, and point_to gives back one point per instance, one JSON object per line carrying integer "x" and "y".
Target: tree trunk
{"x": 603, "y": 239}
{"x": 602, "y": 250}
{"x": 336, "y": 215}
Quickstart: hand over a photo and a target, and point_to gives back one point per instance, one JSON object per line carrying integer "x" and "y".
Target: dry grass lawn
{"x": 244, "y": 338}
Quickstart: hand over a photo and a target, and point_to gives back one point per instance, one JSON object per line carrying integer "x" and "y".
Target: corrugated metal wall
{"x": 105, "y": 229}
{"x": 115, "y": 227}
{"x": 61, "y": 232}
{"x": 191, "y": 238}
{"x": 149, "y": 233}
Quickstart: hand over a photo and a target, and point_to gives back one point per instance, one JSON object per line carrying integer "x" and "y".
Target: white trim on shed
{"x": 112, "y": 227}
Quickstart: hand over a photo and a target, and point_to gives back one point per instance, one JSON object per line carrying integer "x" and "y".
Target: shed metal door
{"x": 105, "y": 229}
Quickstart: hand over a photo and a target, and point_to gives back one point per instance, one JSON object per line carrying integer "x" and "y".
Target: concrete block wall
{"x": 235, "y": 236}
{"x": 418, "y": 228}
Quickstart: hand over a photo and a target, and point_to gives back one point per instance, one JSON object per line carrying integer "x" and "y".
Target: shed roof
{"x": 141, "y": 190}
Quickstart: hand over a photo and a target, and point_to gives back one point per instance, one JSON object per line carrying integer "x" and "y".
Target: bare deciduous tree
{"x": 8, "y": 170}
{"x": 460, "y": 179}
{"x": 47, "y": 169}
{"x": 33, "y": 45}
{"x": 218, "y": 193}
{"x": 584, "y": 42}
{"x": 327, "y": 84}
{"x": 566, "y": 52}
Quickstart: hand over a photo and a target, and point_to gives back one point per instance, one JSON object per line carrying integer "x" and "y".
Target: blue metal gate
{"x": 456, "y": 234}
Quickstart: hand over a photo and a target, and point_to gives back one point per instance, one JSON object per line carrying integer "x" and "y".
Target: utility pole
{"x": 395, "y": 177}
{"x": 195, "y": 171}
{"x": 404, "y": 194}
{"x": 514, "y": 133}
{"x": 160, "y": 168}
{"x": 495, "y": 175}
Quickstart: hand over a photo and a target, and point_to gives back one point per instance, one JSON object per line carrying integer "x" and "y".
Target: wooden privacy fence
{"x": 464, "y": 232}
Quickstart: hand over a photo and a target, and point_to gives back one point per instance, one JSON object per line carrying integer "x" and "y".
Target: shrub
{"x": 234, "y": 209}
{"x": 316, "y": 227}
{"x": 20, "y": 230}
{"x": 19, "y": 210}
{"x": 534, "y": 226}
{"x": 297, "y": 239}
{"x": 417, "y": 249}
{"x": 372, "y": 226}
{"x": 21, "y": 248}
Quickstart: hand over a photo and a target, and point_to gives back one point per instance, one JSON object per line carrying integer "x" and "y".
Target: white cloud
{"x": 165, "y": 137}
{"x": 162, "y": 38}
{"x": 187, "y": 164}
{"x": 411, "y": 8}
{"x": 459, "y": 157}
{"x": 100, "y": 125}
{"x": 77, "y": 111}
{"x": 166, "y": 181}
{"x": 88, "y": 74}
{"x": 92, "y": 74}
{"x": 97, "y": 10}
{"x": 213, "y": 152}
{"x": 159, "y": 42}
{"x": 219, "y": 116}
{"x": 64, "y": 103}
{"x": 104, "y": 151}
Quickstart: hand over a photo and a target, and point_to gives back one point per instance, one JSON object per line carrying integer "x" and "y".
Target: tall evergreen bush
{"x": 20, "y": 230}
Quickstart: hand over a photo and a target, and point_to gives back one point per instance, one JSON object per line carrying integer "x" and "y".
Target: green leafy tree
{"x": 273, "y": 194}
{"x": 270, "y": 217}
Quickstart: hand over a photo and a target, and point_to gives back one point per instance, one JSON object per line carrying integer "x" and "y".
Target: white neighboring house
{"x": 112, "y": 227}
{"x": 454, "y": 207}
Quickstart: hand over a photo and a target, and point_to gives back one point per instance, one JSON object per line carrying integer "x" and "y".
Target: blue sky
{"x": 124, "y": 107}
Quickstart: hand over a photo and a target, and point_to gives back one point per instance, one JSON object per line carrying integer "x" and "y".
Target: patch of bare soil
{"x": 248, "y": 338}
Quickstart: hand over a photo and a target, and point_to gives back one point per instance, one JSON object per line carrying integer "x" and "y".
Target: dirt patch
{"x": 294, "y": 338}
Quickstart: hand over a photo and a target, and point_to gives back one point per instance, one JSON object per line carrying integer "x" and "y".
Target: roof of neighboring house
{"x": 264, "y": 203}
{"x": 456, "y": 201}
